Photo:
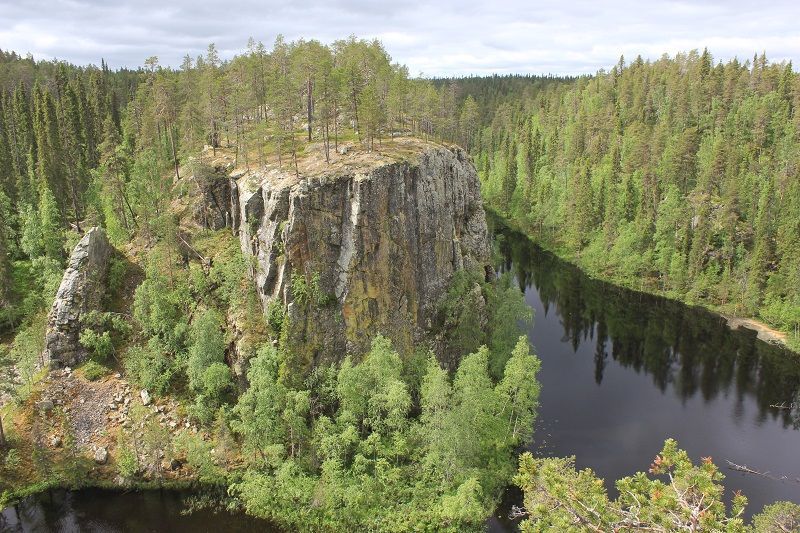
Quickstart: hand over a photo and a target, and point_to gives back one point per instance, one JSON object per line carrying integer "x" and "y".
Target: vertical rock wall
{"x": 356, "y": 254}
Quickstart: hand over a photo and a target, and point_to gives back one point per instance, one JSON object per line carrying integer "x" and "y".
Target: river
{"x": 105, "y": 511}
{"x": 621, "y": 372}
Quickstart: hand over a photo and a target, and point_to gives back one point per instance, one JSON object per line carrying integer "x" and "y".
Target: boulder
{"x": 81, "y": 291}
{"x": 101, "y": 455}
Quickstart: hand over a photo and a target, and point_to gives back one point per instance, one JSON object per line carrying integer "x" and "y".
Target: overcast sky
{"x": 437, "y": 38}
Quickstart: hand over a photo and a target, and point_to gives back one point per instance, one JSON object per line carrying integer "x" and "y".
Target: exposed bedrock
{"x": 214, "y": 186}
{"x": 351, "y": 254}
{"x": 81, "y": 291}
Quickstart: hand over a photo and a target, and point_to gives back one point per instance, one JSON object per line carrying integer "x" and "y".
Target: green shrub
{"x": 92, "y": 370}
{"x": 556, "y": 496}
{"x": 27, "y": 345}
{"x": 779, "y": 516}
{"x": 216, "y": 384}
{"x": 319, "y": 297}
{"x": 301, "y": 292}
{"x": 276, "y": 314}
{"x": 207, "y": 346}
{"x": 200, "y": 458}
{"x": 127, "y": 463}
{"x": 161, "y": 302}
{"x": 12, "y": 459}
{"x": 305, "y": 292}
{"x": 102, "y": 332}
{"x": 98, "y": 344}
{"x": 117, "y": 271}
{"x": 151, "y": 366}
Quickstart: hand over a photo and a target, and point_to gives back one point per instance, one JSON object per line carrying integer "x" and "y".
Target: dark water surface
{"x": 623, "y": 371}
{"x": 103, "y": 511}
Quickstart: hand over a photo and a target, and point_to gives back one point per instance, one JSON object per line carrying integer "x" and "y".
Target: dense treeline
{"x": 492, "y": 92}
{"x": 53, "y": 122}
{"x": 678, "y": 175}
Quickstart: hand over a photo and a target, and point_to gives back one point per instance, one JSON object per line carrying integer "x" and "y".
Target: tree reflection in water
{"x": 685, "y": 349}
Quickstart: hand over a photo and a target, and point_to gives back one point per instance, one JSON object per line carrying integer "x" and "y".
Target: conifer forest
{"x": 303, "y": 287}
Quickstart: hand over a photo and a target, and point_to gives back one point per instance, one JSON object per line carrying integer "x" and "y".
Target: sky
{"x": 433, "y": 38}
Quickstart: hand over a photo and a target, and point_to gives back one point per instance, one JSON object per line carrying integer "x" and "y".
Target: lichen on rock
{"x": 81, "y": 290}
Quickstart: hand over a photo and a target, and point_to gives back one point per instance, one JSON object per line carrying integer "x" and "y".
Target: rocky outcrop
{"x": 352, "y": 253}
{"x": 81, "y": 291}
{"x": 214, "y": 209}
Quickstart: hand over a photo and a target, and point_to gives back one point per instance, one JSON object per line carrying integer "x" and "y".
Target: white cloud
{"x": 445, "y": 37}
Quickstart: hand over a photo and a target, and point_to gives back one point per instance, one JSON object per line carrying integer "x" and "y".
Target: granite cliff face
{"x": 363, "y": 249}
{"x": 81, "y": 290}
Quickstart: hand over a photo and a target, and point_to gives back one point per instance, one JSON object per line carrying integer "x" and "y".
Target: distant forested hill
{"x": 678, "y": 175}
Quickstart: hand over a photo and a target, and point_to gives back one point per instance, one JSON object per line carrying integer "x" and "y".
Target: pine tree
{"x": 763, "y": 249}
{"x": 5, "y": 270}
{"x": 119, "y": 217}
{"x": 372, "y": 115}
{"x": 510, "y": 175}
{"x": 74, "y": 144}
{"x": 50, "y": 220}
{"x": 212, "y": 90}
{"x": 24, "y": 142}
{"x": 284, "y": 99}
{"x": 7, "y": 178}
{"x": 49, "y": 162}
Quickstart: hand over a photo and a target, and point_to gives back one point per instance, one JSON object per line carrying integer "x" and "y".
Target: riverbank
{"x": 719, "y": 392}
{"x": 94, "y": 509}
{"x": 763, "y": 330}
{"x": 69, "y": 432}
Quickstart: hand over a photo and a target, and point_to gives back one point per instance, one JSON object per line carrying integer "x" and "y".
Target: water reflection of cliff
{"x": 688, "y": 350}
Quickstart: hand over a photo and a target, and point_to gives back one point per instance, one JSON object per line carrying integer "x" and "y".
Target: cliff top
{"x": 352, "y": 158}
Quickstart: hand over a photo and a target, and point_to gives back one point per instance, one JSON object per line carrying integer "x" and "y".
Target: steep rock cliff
{"x": 81, "y": 290}
{"x": 365, "y": 247}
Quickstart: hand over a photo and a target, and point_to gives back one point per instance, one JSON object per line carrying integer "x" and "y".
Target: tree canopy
{"x": 675, "y": 175}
